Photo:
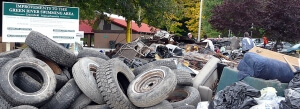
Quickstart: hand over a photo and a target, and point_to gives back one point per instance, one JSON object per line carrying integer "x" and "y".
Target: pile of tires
{"x": 48, "y": 76}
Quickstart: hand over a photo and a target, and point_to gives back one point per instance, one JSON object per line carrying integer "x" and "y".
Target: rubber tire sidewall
{"x": 91, "y": 53}
{"x": 64, "y": 97}
{"x": 109, "y": 85}
{"x": 162, "y": 105}
{"x": 24, "y": 107}
{"x": 193, "y": 97}
{"x": 183, "y": 78}
{"x": 80, "y": 102}
{"x": 168, "y": 63}
{"x": 16, "y": 96}
{"x": 50, "y": 49}
{"x": 156, "y": 95}
{"x": 85, "y": 80}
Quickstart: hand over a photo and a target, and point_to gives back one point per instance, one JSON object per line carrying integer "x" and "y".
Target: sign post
{"x": 59, "y": 23}
{"x": 7, "y": 46}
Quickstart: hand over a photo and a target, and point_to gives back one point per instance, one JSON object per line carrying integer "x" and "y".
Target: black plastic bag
{"x": 178, "y": 52}
{"x": 292, "y": 94}
{"x": 292, "y": 99}
{"x": 237, "y": 96}
{"x": 295, "y": 82}
{"x": 150, "y": 55}
{"x": 163, "y": 52}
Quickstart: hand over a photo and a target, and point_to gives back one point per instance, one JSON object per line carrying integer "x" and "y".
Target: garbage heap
{"x": 263, "y": 80}
{"x": 46, "y": 75}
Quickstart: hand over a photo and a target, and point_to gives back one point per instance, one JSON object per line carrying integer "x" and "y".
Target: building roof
{"x": 84, "y": 26}
{"x": 145, "y": 28}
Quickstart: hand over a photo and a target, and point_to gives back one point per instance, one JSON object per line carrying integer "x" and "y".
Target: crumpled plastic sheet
{"x": 268, "y": 99}
{"x": 292, "y": 99}
{"x": 163, "y": 52}
{"x": 261, "y": 67}
{"x": 237, "y": 96}
{"x": 292, "y": 94}
{"x": 295, "y": 82}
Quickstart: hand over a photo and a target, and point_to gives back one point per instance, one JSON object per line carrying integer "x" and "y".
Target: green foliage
{"x": 192, "y": 8}
{"x": 177, "y": 34}
{"x": 157, "y": 13}
{"x": 207, "y": 29}
{"x": 163, "y": 14}
{"x": 192, "y": 13}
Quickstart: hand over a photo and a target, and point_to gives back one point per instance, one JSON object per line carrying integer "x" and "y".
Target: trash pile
{"x": 292, "y": 94}
{"x": 237, "y": 96}
{"x": 263, "y": 80}
{"x": 48, "y": 76}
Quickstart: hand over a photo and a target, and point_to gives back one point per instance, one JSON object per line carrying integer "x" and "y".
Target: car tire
{"x": 24, "y": 107}
{"x": 113, "y": 79}
{"x": 162, "y": 105}
{"x": 3, "y": 61}
{"x": 14, "y": 95}
{"x": 81, "y": 102}
{"x": 11, "y": 54}
{"x": 50, "y": 49}
{"x": 26, "y": 83}
{"x": 61, "y": 81}
{"x": 183, "y": 78}
{"x": 28, "y": 52}
{"x": 4, "y": 104}
{"x": 35, "y": 76}
{"x": 64, "y": 97}
{"x": 100, "y": 61}
{"x": 62, "y": 78}
{"x": 103, "y": 106}
{"x": 91, "y": 53}
{"x": 84, "y": 71}
{"x": 168, "y": 63}
{"x": 186, "y": 107}
{"x": 152, "y": 86}
{"x": 188, "y": 95}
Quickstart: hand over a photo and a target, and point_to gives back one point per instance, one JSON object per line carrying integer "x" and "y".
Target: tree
{"x": 192, "y": 13}
{"x": 282, "y": 19}
{"x": 208, "y": 6}
{"x": 238, "y": 16}
{"x": 155, "y": 12}
{"x": 168, "y": 19}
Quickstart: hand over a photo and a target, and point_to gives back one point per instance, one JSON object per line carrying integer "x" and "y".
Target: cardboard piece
{"x": 275, "y": 55}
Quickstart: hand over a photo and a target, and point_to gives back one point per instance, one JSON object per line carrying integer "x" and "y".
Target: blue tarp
{"x": 261, "y": 67}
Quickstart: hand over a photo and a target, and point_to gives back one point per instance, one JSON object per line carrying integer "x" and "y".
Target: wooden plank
{"x": 275, "y": 55}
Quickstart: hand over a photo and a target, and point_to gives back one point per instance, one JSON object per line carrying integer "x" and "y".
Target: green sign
{"x": 36, "y": 10}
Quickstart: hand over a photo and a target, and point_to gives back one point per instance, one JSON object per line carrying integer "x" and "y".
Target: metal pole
{"x": 199, "y": 29}
{"x": 251, "y": 29}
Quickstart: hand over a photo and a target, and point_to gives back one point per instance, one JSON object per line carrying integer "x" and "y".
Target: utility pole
{"x": 200, "y": 15}
{"x": 251, "y": 29}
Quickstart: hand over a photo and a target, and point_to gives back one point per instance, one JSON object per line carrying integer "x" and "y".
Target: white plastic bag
{"x": 203, "y": 105}
{"x": 268, "y": 99}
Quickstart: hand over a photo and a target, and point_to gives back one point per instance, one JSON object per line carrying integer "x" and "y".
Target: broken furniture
{"x": 230, "y": 76}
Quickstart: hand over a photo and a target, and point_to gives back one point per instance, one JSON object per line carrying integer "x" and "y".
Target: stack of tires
{"x": 46, "y": 75}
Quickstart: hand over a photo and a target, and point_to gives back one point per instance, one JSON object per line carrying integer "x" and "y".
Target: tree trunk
{"x": 128, "y": 31}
